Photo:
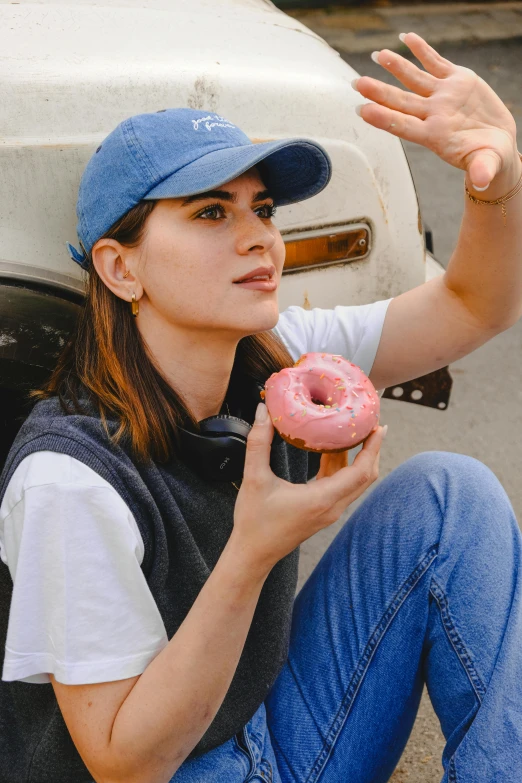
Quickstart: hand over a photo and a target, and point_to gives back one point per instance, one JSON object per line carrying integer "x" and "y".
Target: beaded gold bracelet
{"x": 502, "y": 199}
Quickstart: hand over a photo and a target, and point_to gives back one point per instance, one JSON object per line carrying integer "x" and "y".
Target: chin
{"x": 262, "y": 319}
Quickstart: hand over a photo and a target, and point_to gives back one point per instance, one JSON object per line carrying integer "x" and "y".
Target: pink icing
{"x": 354, "y": 405}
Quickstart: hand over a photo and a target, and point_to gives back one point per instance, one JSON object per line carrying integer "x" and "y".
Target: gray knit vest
{"x": 185, "y": 523}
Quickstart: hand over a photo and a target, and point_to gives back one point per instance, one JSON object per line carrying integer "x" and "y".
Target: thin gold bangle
{"x": 513, "y": 192}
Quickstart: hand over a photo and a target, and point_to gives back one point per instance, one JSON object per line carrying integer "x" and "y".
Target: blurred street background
{"x": 486, "y": 399}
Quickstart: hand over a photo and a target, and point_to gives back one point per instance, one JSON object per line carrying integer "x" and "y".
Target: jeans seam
{"x": 248, "y": 752}
{"x": 452, "y": 772}
{"x": 270, "y": 772}
{"x": 456, "y": 640}
{"x": 371, "y": 646}
{"x": 252, "y": 755}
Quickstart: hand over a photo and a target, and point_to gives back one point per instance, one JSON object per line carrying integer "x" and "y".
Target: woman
{"x": 155, "y": 608}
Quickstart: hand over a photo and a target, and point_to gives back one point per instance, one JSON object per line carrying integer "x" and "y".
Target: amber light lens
{"x": 326, "y": 249}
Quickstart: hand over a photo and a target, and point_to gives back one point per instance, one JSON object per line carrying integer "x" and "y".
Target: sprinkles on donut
{"x": 324, "y": 403}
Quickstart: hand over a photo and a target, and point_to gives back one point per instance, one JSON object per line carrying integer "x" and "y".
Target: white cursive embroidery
{"x": 211, "y": 121}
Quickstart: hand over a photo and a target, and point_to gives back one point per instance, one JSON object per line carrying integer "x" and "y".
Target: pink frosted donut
{"x": 323, "y": 403}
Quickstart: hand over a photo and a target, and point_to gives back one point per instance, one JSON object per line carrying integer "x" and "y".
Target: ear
{"x": 110, "y": 260}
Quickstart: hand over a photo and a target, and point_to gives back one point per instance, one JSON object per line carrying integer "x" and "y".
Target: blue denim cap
{"x": 181, "y": 152}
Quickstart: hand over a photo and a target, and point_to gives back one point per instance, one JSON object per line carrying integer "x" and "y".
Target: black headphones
{"x": 217, "y": 452}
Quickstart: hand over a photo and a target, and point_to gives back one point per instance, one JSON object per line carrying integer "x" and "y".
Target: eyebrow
{"x": 224, "y": 195}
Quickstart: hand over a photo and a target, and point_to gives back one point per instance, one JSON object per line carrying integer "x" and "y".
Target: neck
{"x": 196, "y": 364}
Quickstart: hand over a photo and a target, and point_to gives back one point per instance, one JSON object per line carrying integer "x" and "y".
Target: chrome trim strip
{"x": 36, "y": 274}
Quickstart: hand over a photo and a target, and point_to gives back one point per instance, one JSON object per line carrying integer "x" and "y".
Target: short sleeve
{"x": 81, "y": 607}
{"x": 354, "y": 331}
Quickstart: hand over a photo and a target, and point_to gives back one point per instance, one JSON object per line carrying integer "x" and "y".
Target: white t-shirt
{"x": 81, "y": 606}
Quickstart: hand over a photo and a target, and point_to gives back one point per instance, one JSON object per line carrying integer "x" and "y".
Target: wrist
{"x": 242, "y": 562}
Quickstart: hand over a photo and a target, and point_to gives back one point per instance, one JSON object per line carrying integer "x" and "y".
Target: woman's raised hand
{"x": 449, "y": 110}
{"x": 273, "y": 516}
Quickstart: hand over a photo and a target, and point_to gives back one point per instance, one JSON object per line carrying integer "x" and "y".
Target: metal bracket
{"x": 432, "y": 390}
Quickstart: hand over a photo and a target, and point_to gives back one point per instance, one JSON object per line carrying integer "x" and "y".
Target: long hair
{"x": 107, "y": 359}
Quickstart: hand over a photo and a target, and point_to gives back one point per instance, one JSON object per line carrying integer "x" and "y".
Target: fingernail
{"x": 477, "y": 188}
{"x": 261, "y": 413}
{"x": 375, "y": 57}
{"x": 358, "y": 109}
{"x": 402, "y": 36}
{"x": 384, "y": 431}
{"x": 354, "y": 83}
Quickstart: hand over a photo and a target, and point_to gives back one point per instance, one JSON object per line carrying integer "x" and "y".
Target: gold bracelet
{"x": 513, "y": 192}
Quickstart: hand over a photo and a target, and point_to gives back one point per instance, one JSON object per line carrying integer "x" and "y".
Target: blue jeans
{"x": 421, "y": 585}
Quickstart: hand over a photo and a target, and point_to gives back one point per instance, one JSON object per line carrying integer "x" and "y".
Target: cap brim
{"x": 291, "y": 169}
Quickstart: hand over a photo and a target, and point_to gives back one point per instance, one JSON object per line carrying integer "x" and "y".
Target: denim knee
{"x": 463, "y": 488}
{"x": 466, "y": 472}
{"x": 463, "y": 466}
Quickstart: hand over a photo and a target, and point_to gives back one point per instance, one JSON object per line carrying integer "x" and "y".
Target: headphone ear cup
{"x": 217, "y": 452}
{"x": 225, "y": 425}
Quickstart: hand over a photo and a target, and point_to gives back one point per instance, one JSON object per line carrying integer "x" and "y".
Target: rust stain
{"x": 382, "y": 206}
{"x": 204, "y": 94}
{"x": 306, "y": 303}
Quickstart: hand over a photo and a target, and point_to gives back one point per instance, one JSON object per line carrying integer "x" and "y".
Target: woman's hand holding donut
{"x": 272, "y": 516}
{"x": 448, "y": 108}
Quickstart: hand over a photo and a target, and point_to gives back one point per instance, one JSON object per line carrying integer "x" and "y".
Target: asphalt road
{"x": 486, "y": 401}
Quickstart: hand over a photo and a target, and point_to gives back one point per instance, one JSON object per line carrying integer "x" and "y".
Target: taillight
{"x": 330, "y": 245}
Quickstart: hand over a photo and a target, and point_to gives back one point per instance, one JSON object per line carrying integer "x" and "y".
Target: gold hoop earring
{"x": 135, "y": 305}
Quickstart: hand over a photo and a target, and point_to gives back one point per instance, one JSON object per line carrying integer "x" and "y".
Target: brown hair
{"x": 108, "y": 357}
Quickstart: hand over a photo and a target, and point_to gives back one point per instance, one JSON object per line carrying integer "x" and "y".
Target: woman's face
{"x": 195, "y": 248}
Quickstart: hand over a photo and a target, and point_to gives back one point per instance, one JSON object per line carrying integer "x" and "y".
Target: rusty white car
{"x": 70, "y": 71}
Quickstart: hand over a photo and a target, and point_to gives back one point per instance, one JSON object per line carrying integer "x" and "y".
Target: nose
{"x": 254, "y": 236}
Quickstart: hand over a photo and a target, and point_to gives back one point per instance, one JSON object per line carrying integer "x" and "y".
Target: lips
{"x": 261, "y": 272}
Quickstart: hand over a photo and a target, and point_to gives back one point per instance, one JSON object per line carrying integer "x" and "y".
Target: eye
{"x": 209, "y": 213}
{"x": 269, "y": 211}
